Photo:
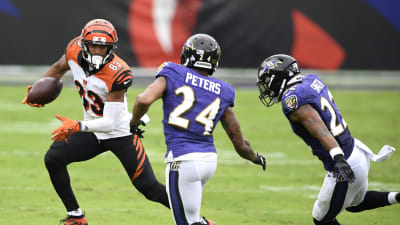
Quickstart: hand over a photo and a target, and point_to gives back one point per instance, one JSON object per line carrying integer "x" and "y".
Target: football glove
{"x": 25, "y": 101}
{"x": 261, "y": 161}
{"x": 136, "y": 130}
{"x": 342, "y": 170}
{"x": 66, "y": 129}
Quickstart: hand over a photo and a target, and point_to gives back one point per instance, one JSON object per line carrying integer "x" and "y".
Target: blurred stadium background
{"x": 353, "y": 45}
{"x": 340, "y": 34}
{"x": 238, "y": 77}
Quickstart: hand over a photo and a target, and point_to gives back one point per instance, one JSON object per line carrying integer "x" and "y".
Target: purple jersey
{"x": 192, "y": 105}
{"x": 313, "y": 91}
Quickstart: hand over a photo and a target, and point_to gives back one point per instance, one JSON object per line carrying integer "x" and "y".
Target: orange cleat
{"x": 74, "y": 220}
{"x": 209, "y": 222}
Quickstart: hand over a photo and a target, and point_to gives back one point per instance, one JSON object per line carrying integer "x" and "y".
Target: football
{"x": 45, "y": 90}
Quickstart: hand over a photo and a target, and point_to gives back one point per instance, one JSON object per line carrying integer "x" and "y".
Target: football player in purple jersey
{"x": 193, "y": 103}
{"x": 314, "y": 116}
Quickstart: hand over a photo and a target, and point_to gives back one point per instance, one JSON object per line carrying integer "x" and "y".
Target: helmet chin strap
{"x": 186, "y": 62}
{"x": 295, "y": 79}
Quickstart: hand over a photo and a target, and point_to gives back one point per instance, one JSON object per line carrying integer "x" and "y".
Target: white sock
{"x": 76, "y": 212}
{"x": 392, "y": 198}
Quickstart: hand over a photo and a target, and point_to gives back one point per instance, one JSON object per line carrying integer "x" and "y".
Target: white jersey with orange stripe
{"x": 94, "y": 85}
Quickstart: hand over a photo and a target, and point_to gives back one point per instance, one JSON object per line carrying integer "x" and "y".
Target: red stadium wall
{"x": 358, "y": 34}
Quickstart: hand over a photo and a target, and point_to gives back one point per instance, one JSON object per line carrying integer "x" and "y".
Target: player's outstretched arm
{"x": 111, "y": 113}
{"x": 57, "y": 70}
{"x": 241, "y": 144}
{"x": 311, "y": 120}
{"x": 143, "y": 101}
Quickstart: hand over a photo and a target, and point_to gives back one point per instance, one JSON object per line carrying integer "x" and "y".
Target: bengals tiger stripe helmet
{"x": 98, "y": 32}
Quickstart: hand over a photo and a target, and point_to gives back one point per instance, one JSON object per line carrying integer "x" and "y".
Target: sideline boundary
{"x": 239, "y": 78}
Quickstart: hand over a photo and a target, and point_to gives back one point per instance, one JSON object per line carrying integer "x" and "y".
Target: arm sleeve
{"x": 112, "y": 112}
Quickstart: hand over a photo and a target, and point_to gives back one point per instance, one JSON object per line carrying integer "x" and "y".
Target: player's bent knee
{"x": 321, "y": 207}
{"x": 318, "y": 213}
{"x": 155, "y": 192}
{"x": 53, "y": 159}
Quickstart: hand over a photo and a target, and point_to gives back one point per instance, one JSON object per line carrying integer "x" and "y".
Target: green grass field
{"x": 239, "y": 193}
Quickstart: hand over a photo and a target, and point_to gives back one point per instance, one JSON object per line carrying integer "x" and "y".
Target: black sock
{"x": 372, "y": 200}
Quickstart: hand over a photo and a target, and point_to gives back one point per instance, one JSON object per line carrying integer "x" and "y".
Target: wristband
{"x": 335, "y": 151}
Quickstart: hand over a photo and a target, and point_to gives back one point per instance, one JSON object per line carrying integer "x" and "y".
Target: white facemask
{"x": 97, "y": 61}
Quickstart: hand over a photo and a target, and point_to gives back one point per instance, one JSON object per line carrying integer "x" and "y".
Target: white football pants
{"x": 185, "y": 181}
{"x": 327, "y": 205}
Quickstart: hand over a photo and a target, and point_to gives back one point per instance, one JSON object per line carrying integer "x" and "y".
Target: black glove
{"x": 342, "y": 170}
{"x": 260, "y": 161}
{"x": 136, "y": 130}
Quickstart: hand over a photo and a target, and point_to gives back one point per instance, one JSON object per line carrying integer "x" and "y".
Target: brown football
{"x": 45, "y": 90}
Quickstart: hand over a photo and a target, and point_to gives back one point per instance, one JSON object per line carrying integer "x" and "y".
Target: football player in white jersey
{"x": 102, "y": 79}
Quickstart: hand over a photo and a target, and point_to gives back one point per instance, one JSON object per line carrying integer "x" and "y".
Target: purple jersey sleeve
{"x": 313, "y": 91}
{"x": 193, "y": 104}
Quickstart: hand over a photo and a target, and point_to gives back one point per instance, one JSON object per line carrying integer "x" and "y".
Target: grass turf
{"x": 239, "y": 193}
